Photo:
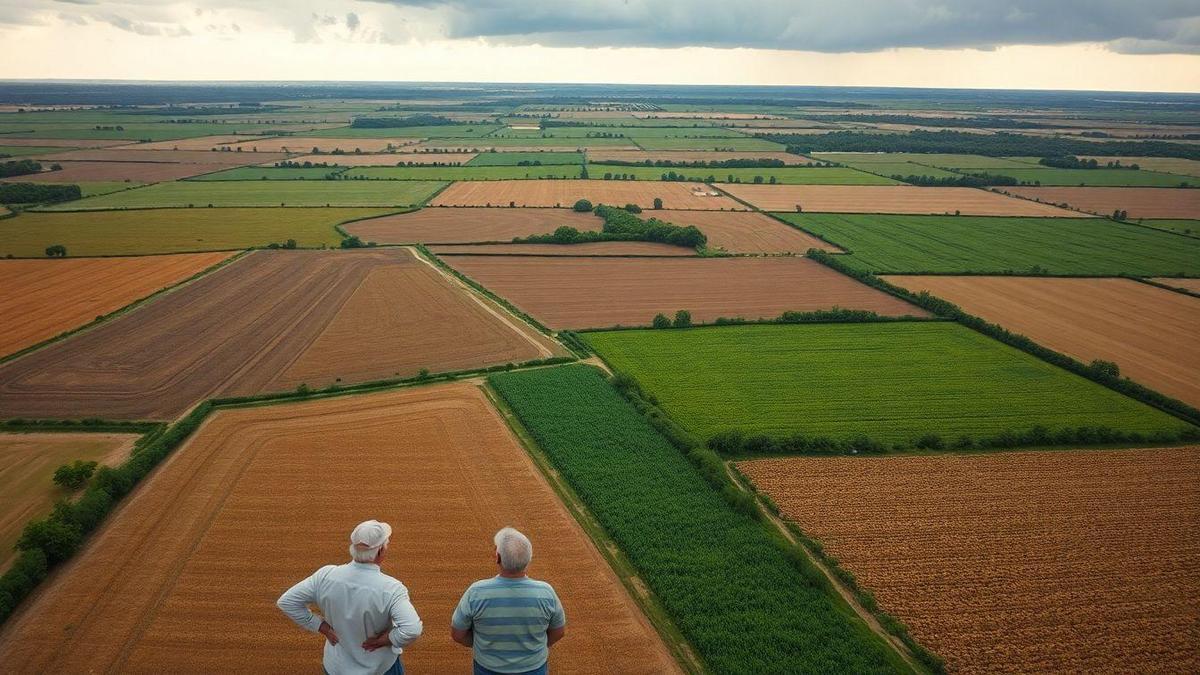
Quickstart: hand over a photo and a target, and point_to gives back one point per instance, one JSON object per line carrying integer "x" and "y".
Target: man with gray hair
{"x": 368, "y": 618}
{"x": 510, "y": 620}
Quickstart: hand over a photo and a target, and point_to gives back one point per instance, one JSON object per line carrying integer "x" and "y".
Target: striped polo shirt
{"x": 509, "y": 619}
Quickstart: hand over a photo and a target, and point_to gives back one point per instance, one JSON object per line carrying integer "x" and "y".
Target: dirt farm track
{"x": 448, "y": 474}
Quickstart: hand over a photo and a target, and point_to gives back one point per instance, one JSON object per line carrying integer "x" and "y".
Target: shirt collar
{"x": 364, "y": 566}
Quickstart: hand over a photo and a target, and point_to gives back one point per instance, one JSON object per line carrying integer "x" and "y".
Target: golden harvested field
{"x": 27, "y": 464}
{"x": 304, "y": 144}
{"x": 1183, "y": 167}
{"x": 446, "y": 473}
{"x": 639, "y": 248}
{"x": 201, "y": 143}
{"x": 605, "y": 155}
{"x": 43, "y": 298}
{"x": 564, "y": 193}
{"x": 1192, "y": 285}
{"x": 1059, "y": 561}
{"x": 889, "y": 199}
{"x": 1151, "y": 333}
{"x": 1140, "y": 202}
{"x": 465, "y": 225}
{"x": 217, "y": 159}
{"x": 390, "y": 159}
{"x": 134, "y": 172}
{"x": 603, "y": 292}
{"x": 745, "y": 231}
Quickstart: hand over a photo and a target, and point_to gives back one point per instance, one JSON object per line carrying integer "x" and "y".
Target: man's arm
{"x": 558, "y": 622}
{"x": 294, "y": 603}
{"x": 555, "y": 634}
{"x": 406, "y": 625}
{"x": 462, "y": 622}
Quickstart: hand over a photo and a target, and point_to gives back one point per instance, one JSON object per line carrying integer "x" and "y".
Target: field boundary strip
{"x": 1166, "y": 287}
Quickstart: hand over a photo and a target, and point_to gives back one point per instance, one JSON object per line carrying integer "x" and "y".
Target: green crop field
{"x": 1191, "y": 227}
{"x": 15, "y": 151}
{"x": 455, "y": 131}
{"x": 133, "y": 132}
{"x": 172, "y": 230}
{"x": 262, "y": 193}
{"x": 466, "y": 172}
{"x": 515, "y": 158}
{"x": 535, "y": 142}
{"x": 890, "y": 381}
{"x": 270, "y": 173}
{"x": 743, "y": 143}
{"x": 958, "y": 244}
{"x": 936, "y": 160}
{"x": 783, "y": 175}
{"x": 93, "y": 188}
{"x": 742, "y": 603}
{"x": 1096, "y": 177}
{"x": 629, "y": 131}
{"x": 902, "y": 169}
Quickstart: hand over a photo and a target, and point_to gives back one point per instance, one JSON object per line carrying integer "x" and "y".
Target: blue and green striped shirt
{"x": 509, "y": 619}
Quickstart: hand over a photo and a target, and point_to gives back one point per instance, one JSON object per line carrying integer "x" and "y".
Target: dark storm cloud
{"x": 1141, "y": 26}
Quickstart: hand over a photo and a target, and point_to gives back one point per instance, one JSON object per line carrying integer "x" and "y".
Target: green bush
{"x": 582, "y": 206}
{"x": 74, "y": 475}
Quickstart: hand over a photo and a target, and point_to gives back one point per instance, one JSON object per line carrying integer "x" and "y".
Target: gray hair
{"x": 365, "y": 555}
{"x": 514, "y": 549}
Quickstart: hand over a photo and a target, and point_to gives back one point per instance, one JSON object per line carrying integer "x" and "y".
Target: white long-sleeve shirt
{"x": 360, "y": 602}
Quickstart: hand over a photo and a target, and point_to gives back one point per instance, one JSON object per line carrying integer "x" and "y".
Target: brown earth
{"x": 566, "y": 192}
{"x": 466, "y": 225}
{"x": 1151, "y": 333}
{"x": 63, "y": 142}
{"x": 602, "y": 155}
{"x": 889, "y": 199}
{"x": 134, "y": 172}
{"x": 27, "y": 464}
{"x": 304, "y": 145}
{"x": 218, "y": 159}
{"x": 260, "y": 498}
{"x": 391, "y": 158}
{"x": 1140, "y": 202}
{"x": 1060, "y": 561}
{"x": 639, "y": 248}
{"x": 1192, "y": 285}
{"x": 257, "y": 325}
{"x": 42, "y": 298}
{"x": 746, "y": 231}
{"x": 201, "y": 143}
{"x": 603, "y": 292}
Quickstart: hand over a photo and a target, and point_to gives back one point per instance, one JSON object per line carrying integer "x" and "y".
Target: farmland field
{"x": 136, "y": 172}
{"x": 485, "y": 144}
{"x": 795, "y": 175}
{"x": 309, "y": 144}
{"x": 564, "y": 193}
{"x": 745, "y": 231}
{"x": 890, "y": 381}
{"x": 172, "y": 230}
{"x": 903, "y": 169}
{"x": 27, "y": 464}
{"x": 1149, "y": 332}
{"x": 1098, "y": 177}
{"x": 465, "y": 476}
{"x": 1138, "y": 202}
{"x": 740, "y": 144}
{"x": 1087, "y": 559}
{"x": 43, "y": 298}
{"x": 349, "y": 316}
{"x": 22, "y": 150}
{"x": 619, "y": 248}
{"x": 453, "y": 131}
{"x": 1189, "y": 227}
{"x": 135, "y": 154}
{"x": 743, "y": 604}
{"x": 466, "y": 172}
{"x": 595, "y": 292}
{"x": 273, "y": 173}
{"x": 514, "y": 158}
{"x": 1183, "y": 167}
{"x": 452, "y": 225}
{"x": 942, "y": 244}
{"x": 389, "y": 158}
{"x": 1192, "y": 285}
{"x": 889, "y": 199}
{"x": 688, "y": 156}
{"x": 261, "y": 193}
{"x": 970, "y": 162}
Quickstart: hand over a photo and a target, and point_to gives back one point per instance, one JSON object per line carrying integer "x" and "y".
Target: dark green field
{"x": 515, "y": 158}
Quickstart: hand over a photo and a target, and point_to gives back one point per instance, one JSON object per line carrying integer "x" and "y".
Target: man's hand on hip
{"x": 378, "y": 642}
{"x": 328, "y": 632}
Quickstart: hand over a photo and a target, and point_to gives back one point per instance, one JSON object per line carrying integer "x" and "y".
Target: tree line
{"x": 620, "y": 224}
{"x": 993, "y": 145}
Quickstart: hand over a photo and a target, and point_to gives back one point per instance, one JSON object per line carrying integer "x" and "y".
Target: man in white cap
{"x": 368, "y": 618}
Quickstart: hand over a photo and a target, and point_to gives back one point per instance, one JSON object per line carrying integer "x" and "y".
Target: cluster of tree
{"x": 109, "y": 127}
{"x": 683, "y": 319}
{"x": 21, "y": 167}
{"x": 620, "y": 224}
{"x": 1120, "y": 214}
{"x": 38, "y": 193}
{"x": 56, "y": 251}
{"x": 992, "y": 145}
{"x": 354, "y": 241}
{"x": 1072, "y": 162}
{"x": 289, "y": 244}
{"x": 288, "y": 164}
{"x": 711, "y": 178}
{"x": 398, "y": 122}
{"x": 967, "y": 180}
{"x": 982, "y": 121}
{"x": 746, "y": 163}
{"x": 529, "y": 162}
{"x": 74, "y": 475}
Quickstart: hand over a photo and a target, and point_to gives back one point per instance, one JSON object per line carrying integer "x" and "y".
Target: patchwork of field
{"x": 438, "y": 131}
{"x": 43, "y": 298}
{"x": 794, "y": 175}
{"x": 465, "y": 476}
{"x": 390, "y": 159}
{"x": 23, "y": 150}
{"x": 593, "y": 293}
{"x": 1087, "y": 559}
{"x": 688, "y": 156}
{"x": 889, "y": 199}
{"x": 466, "y": 173}
{"x": 598, "y": 248}
{"x": 306, "y": 145}
{"x": 261, "y": 193}
{"x": 942, "y": 244}
{"x": 27, "y": 464}
{"x": 450, "y": 225}
{"x": 136, "y": 154}
{"x": 515, "y": 158}
{"x": 1138, "y": 202}
{"x": 746, "y": 231}
{"x": 903, "y": 169}
{"x": 564, "y": 193}
{"x": 739, "y": 144}
{"x": 217, "y": 142}
{"x": 1098, "y": 177}
{"x": 62, "y": 142}
{"x": 893, "y": 382}
{"x": 268, "y": 322}
{"x": 1151, "y": 333}
{"x": 172, "y": 230}
{"x": 136, "y": 172}
{"x": 1183, "y": 167}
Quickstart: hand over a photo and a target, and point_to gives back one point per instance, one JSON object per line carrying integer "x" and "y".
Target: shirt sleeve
{"x": 406, "y": 624}
{"x": 463, "y": 617}
{"x": 295, "y": 601}
{"x": 558, "y": 616}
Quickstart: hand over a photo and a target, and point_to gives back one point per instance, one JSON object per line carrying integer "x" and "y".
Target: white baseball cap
{"x": 370, "y": 534}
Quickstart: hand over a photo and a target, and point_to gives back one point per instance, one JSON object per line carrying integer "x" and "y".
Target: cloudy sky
{"x": 1140, "y": 45}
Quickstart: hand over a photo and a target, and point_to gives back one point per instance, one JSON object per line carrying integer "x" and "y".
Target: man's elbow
{"x": 555, "y": 634}
{"x": 406, "y": 635}
{"x": 462, "y": 636}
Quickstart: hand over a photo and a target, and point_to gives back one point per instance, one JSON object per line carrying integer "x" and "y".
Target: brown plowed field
{"x": 201, "y": 143}
{"x": 564, "y": 193}
{"x": 42, "y": 298}
{"x": 27, "y": 464}
{"x": 391, "y": 159}
{"x": 603, "y": 292}
{"x": 1192, "y": 285}
{"x": 179, "y": 580}
{"x": 746, "y": 231}
{"x": 1151, "y": 333}
{"x": 1140, "y": 202}
{"x": 305, "y": 145}
{"x": 466, "y": 225}
{"x": 259, "y": 324}
{"x": 889, "y": 199}
{"x": 593, "y": 248}
{"x": 1061, "y": 561}
{"x": 172, "y": 156}
{"x": 602, "y": 155}
{"x": 135, "y": 172}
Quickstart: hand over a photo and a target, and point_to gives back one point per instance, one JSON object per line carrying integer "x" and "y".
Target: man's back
{"x": 509, "y": 618}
